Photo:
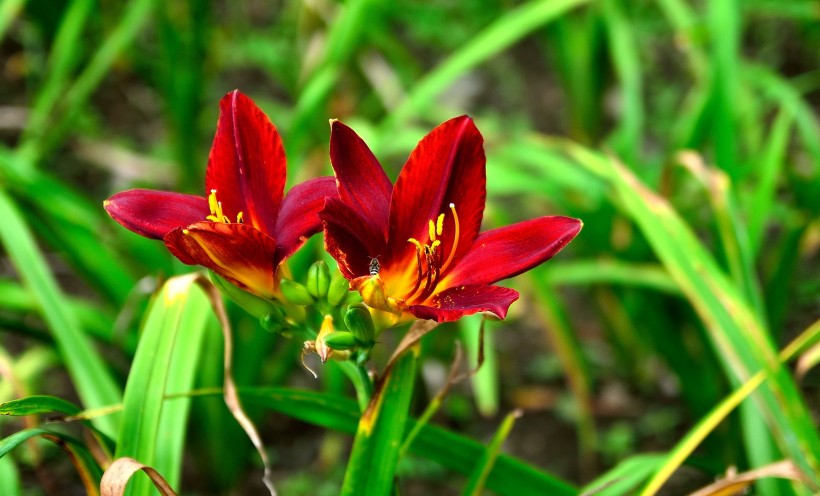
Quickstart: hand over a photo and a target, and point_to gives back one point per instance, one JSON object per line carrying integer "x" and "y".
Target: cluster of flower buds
{"x": 347, "y": 327}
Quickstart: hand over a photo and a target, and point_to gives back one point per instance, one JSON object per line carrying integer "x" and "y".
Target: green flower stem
{"x": 357, "y": 373}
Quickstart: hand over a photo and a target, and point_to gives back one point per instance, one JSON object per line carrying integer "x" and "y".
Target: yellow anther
{"x": 428, "y": 256}
{"x": 217, "y": 215}
{"x": 212, "y": 203}
{"x": 440, "y": 224}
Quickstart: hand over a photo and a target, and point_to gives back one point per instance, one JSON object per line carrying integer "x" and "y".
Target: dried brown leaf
{"x": 733, "y": 484}
{"x": 116, "y": 477}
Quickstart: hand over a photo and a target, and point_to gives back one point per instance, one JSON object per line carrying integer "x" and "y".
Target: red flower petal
{"x": 237, "y": 252}
{"x": 350, "y": 239}
{"x": 508, "y": 251}
{"x": 454, "y": 303}
{"x": 299, "y": 214}
{"x": 447, "y": 166}
{"x": 362, "y": 183}
{"x": 247, "y": 163}
{"x": 154, "y": 214}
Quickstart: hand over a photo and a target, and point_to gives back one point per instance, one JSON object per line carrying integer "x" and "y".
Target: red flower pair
{"x": 410, "y": 247}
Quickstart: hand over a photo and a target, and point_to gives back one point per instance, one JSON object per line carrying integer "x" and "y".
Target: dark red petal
{"x": 349, "y": 239}
{"x": 454, "y": 303}
{"x": 238, "y": 252}
{"x": 154, "y": 214}
{"x": 447, "y": 166}
{"x": 247, "y": 163}
{"x": 362, "y": 183}
{"x": 299, "y": 215}
{"x": 508, "y": 251}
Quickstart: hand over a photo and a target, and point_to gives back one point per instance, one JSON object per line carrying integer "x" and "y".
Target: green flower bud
{"x": 360, "y": 324}
{"x": 295, "y": 293}
{"x": 318, "y": 279}
{"x": 338, "y": 289}
{"x": 275, "y": 320}
{"x": 340, "y": 340}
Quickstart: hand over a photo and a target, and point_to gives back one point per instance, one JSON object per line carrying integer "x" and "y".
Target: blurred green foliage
{"x": 691, "y": 272}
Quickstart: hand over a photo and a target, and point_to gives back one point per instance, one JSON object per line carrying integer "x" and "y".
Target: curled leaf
{"x": 115, "y": 479}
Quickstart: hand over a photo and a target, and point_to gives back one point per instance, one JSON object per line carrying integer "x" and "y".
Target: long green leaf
{"x": 32, "y": 405}
{"x": 133, "y": 18}
{"x": 9, "y": 476}
{"x": 475, "y": 484}
{"x": 178, "y": 312}
{"x": 626, "y": 59}
{"x": 625, "y": 477}
{"x": 502, "y": 33}
{"x": 88, "y": 470}
{"x": 741, "y": 338}
{"x": 377, "y": 445}
{"x": 458, "y": 453}
{"x": 92, "y": 379}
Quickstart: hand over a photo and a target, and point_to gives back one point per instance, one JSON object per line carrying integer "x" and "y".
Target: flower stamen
{"x": 217, "y": 215}
{"x": 455, "y": 238}
{"x": 429, "y": 256}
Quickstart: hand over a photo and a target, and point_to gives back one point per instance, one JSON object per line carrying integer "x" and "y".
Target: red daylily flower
{"x": 415, "y": 246}
{"x": 244, "y": 228}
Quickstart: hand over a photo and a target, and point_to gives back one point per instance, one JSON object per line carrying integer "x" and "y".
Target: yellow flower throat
{"x": 429, "y": 256}
{"x": 216, "y": 211}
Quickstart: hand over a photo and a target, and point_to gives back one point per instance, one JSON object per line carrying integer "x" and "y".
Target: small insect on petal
{"x": 375, "y": 267}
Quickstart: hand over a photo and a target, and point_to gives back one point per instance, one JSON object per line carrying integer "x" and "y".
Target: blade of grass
{"x": 697, "y": 434}
{"x": 627, "y": 137}
{"x": 575, "y": 44}
{"x": 29, "y": 367}
{"x": 376, "y": 448}
{"x": 744, "y": 344}
{"x": 609, "y": 271}
{"x": 16, "y": 298}
{"x": 723, "y": 18}
{"x": 625, "y": 477}
{"x": 509, "y": 475}
{"x": 32, "y": 405}
{"x": 90, "y": 377}
{"x": 485, "y": 379}
{"x": 9, "y": 476}
{"x": 135, "y": 15}
{"x": 558, "y": 330}
{"x": 731, "y": 227}
{"x": 179, "y": 311}
{"x": 62, "y": 61}
{"x": 771, "y": 162}
{"x": 70, "y": 223}
{"x": 8, "y": 12}
{"x": 83, "y": 462}
{"x": 343, "y": 37}
{"x": 475, "y": 484}
{"x": 502, "y": 33}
